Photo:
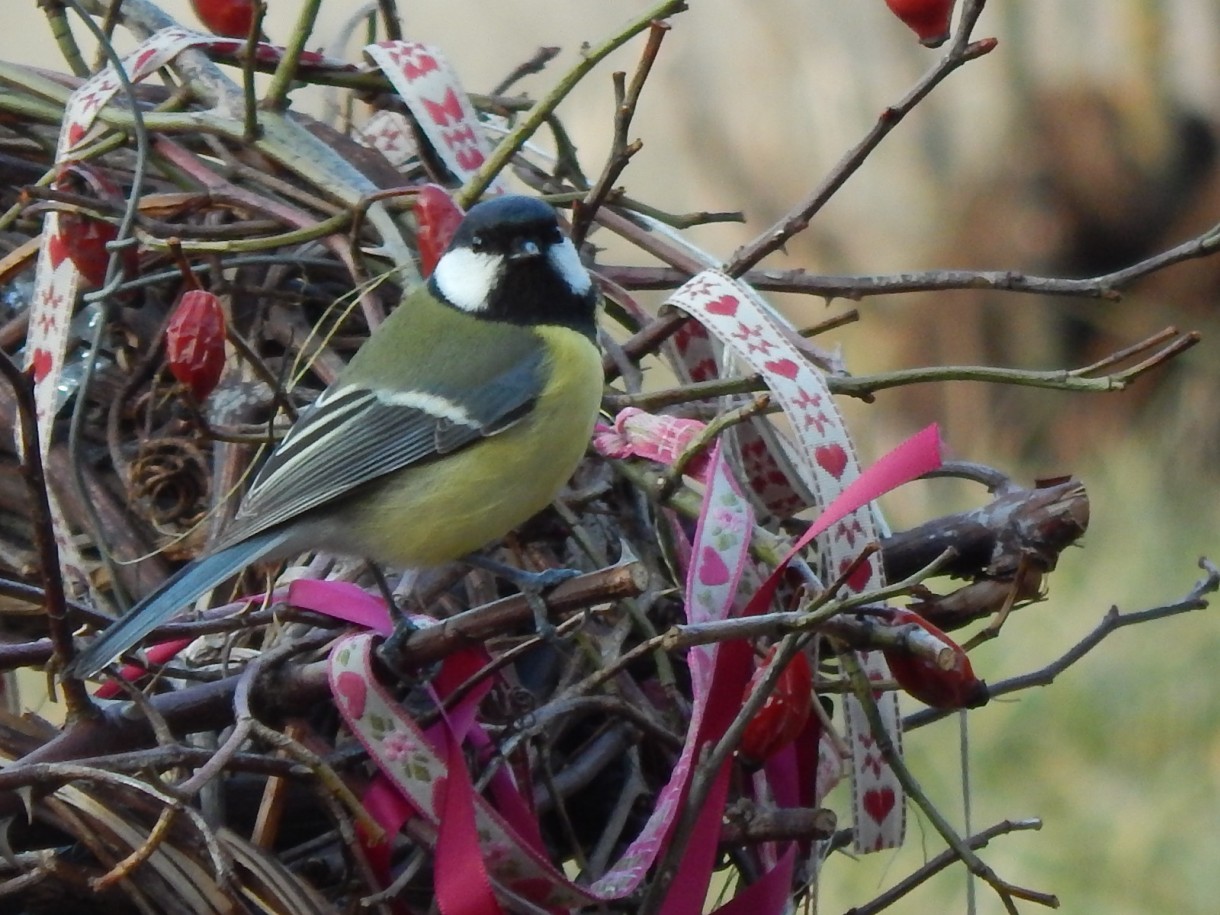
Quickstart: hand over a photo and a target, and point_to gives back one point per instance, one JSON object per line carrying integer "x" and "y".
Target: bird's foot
{"x": 532, "y": 586}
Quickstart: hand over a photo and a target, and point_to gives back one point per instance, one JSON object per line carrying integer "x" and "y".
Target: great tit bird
{"x": 459, "y": 418}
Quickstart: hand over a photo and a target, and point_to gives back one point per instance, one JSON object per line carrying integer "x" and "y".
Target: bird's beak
{"x": 524, "y": 250}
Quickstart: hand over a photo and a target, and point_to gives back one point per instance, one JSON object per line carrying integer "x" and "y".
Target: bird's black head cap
{"x": 509, "y": 261}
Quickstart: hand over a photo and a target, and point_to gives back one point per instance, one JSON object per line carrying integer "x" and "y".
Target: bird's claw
{"x": 532, "y": 585}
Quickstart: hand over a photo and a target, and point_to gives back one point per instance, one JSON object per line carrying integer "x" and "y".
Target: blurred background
{"x": 1085, "y": 142}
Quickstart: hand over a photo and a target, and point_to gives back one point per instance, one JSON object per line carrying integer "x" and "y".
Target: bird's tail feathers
{"x": 178, "y": 592}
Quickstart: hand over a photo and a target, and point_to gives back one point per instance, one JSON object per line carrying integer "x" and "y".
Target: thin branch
{"x": 536, "y": 116}
{"x": 864, "y": 386}
{"x": 1008, "y": 892}
{"x": 1113, "y": 620}
{"x": 390, "y": 20}
{"x": 671, "y": 476}
{"x": 276, "y": 96}
{"x": 535, "y": 64}
{"x": 939, "y": 863}
{"x": 54, "y": 599}
{"x": 626, "y": 98}
{"x": 249, "y": 97}
{"x": 960, "y": 52}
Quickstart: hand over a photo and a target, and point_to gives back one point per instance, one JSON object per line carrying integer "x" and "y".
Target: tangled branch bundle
{"x": 187, "y": 263}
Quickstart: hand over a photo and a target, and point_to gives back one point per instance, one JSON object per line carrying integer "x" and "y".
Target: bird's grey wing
{"x": 353, "y": 435}
{"x": 172, "y": 596}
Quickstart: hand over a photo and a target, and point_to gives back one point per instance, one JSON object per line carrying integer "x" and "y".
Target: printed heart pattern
{"x": 858, "y": 580}
{"x": 725, "y": 305}
{"x": 877, "y": 803}
{"x": 141, "y": 61}
{"x": 785, "y": 368}
{"x": 832, "y": 458}
{"x": 57, "y": 249}
{"x": 827, "y": 466}
{"x": 353, "y": 692}
{"x": 712, "y": 570}
{"x": 41, "y": 363}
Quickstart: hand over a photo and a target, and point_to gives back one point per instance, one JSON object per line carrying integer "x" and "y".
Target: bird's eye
{"x": 477, "y": 243}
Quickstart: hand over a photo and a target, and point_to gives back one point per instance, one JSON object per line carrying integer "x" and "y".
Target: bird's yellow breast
{"x": 443, "y": 509}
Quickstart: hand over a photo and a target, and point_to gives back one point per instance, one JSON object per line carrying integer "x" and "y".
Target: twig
{"x": 249, "y": 97}
{"x": 959, "y": 53}
{"x": 331, "y": 788}
{"x": 70, "y": 772}
{"x": 864, "y": 386}
{"x": 621, "y": 150}
{"x": 390, "y": 20}
{"x": 939, "y": 863}
{"x": 1110, "y": 623}
{"x": 671, "y": 476}
{"x": 1106, "y": 286}
{"x": 535, "y": 64}
{"x": 276, "y": 96}
{"x": 745, "y": 823}
{"x": 1008, "y": 892}
{"x": 122, "y": 870}
{"x": 54, "y": 599}
{"x": 826, "y": 616}
{"x": 745, "y": 258}
{"x": 244, "y": 720}
{"x": 64, "y": 38}
{"x": 156, "y": 759}
{"x": 434, "y": 642}
{"x": 570, "y": 704}
{"x": 536, "y": 116}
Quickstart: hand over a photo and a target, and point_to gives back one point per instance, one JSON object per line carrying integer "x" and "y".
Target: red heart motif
{"x": 785, "y": 367}
{"x": 831, "y": 458}
{"x": 42, "y": 362}
{"x": 712, "y": 570}
{"x": 57, "y": 250}
{"x": 725, "y": 305}
{"x": 75, "y": 132}
{"x": 143, "y": 59}
{"x": 858, "y": 580}
{"x": 353, "y": 691}
{"x": 877, "y": 803}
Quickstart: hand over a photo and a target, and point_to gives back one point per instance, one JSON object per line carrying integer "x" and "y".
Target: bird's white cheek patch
{"x": 566, "y": 262}
{"x": 467, "y": 277}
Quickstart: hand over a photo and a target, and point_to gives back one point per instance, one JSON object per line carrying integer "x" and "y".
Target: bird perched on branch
{"x": 459, "y": 418}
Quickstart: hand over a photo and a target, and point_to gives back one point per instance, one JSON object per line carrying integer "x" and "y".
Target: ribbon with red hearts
{"x": 825, "y": 460}
{"x": 760, "y": 451}
{"x": 57, "y": 280}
